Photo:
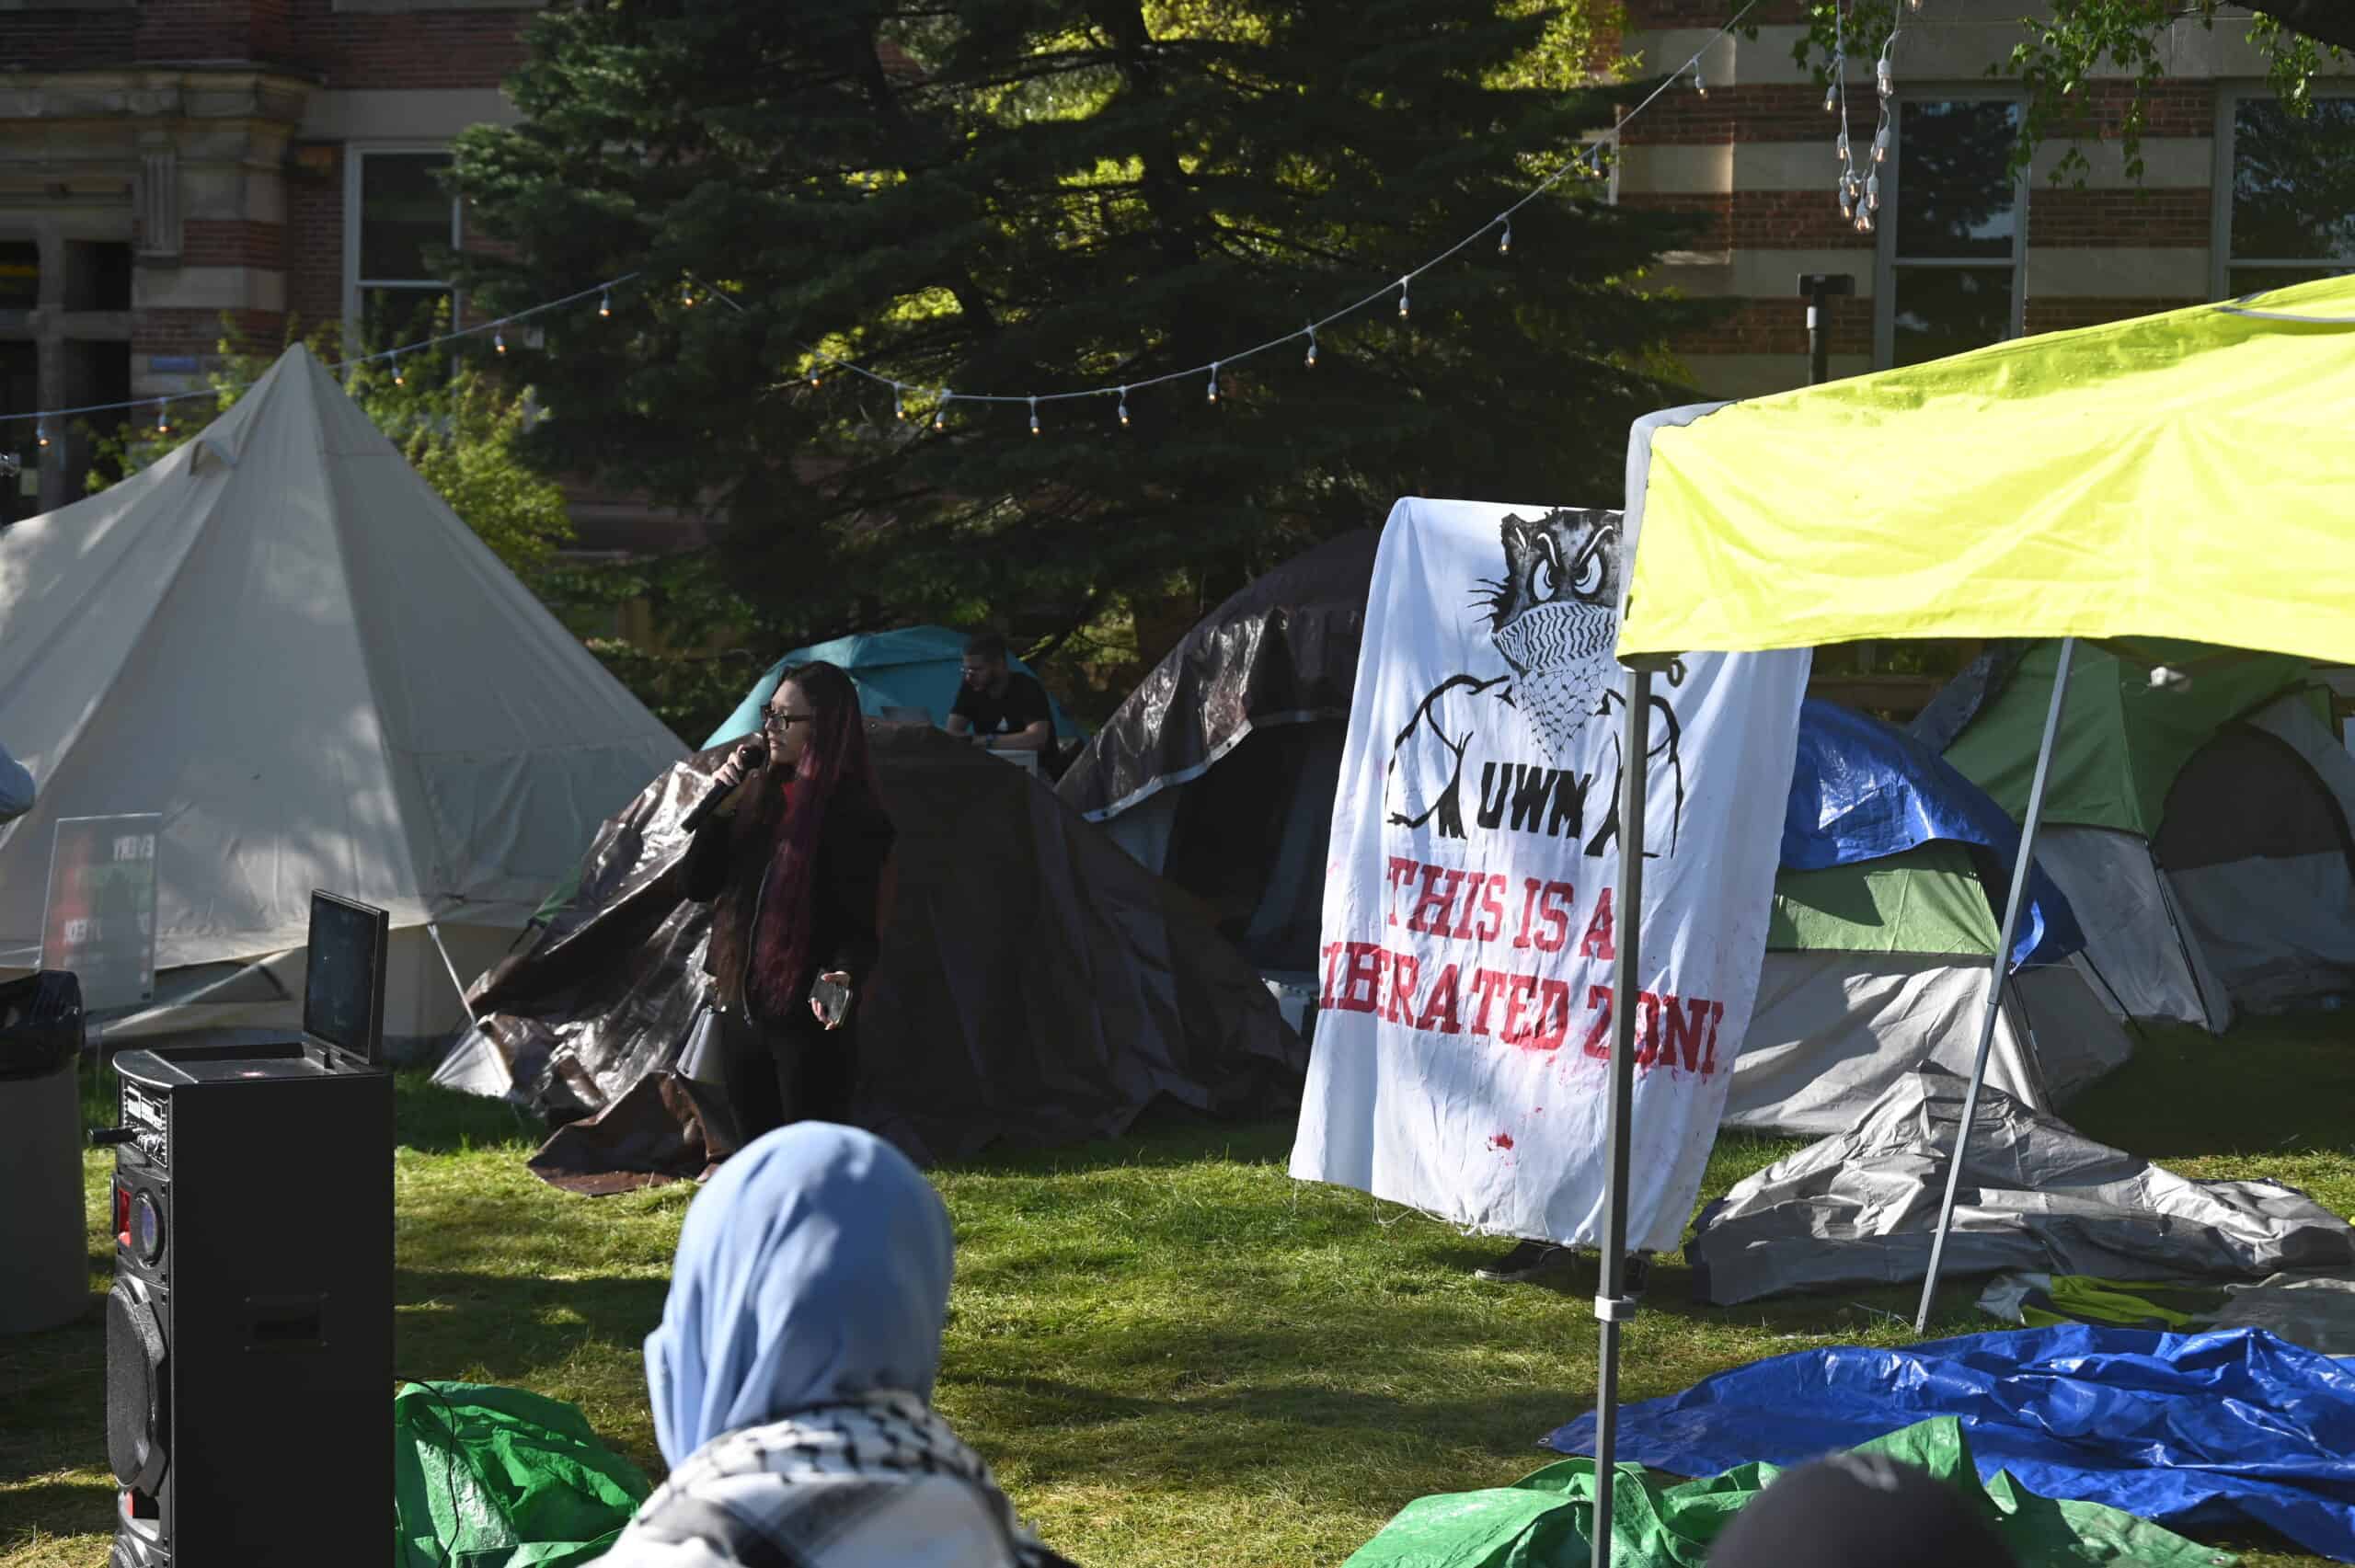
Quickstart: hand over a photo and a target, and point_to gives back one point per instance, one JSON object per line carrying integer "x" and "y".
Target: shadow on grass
{"x": 1166, "y": 1135}
{"x": 54, "y": 1415}
{"x": 2189, "y": 1093}
{"x": 506, "y": 1328}
{"x": 443, "y": 1121}
{"x": 1063, "y": 1439}
{"x": 57, "y": 1508}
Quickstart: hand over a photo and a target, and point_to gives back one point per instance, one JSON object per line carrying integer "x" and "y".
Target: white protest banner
{"x": 1465, "y": 1020}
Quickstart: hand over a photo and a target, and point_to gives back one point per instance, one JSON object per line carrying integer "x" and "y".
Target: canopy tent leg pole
{"x": 1611, "y": 1309}
{"x": 451, "y": 969}
{"x": 1997, "y": 971}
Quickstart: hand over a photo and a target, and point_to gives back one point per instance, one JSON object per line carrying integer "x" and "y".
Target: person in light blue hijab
{"x": 792, "y": 1374}
{"x": 813, "y": 1269}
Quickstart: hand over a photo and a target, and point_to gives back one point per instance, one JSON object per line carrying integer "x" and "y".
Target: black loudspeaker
{"x": 250, "y": 1334}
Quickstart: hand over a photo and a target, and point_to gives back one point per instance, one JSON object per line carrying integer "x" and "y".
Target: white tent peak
{"x": 281, "y": 638}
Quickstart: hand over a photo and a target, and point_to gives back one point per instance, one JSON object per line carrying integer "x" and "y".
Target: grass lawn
{"x": 1173, "y": 1354}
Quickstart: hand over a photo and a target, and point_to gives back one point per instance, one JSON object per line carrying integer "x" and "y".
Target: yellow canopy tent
{"x": 2188, "y": 474}
{"x": 2184, "y": 475}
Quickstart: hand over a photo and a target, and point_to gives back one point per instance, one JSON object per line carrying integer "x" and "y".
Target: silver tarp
{"x": 1860, "y": 1209}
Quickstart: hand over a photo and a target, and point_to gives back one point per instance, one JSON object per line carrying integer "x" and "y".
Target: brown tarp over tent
{"x": 1282, "y": 651}
{"x": 1037, "y": 986}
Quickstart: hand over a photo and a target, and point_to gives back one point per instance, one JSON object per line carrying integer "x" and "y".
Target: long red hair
{"x": 780, "y": 832}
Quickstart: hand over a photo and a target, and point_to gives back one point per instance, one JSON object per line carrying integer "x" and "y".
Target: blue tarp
{"x": 1861, "y": 790}
{"x": 2211, "y": 1430}
{"x": 915, "y": 667}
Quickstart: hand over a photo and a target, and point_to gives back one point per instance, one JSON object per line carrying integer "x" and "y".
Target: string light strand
{"x": 1591, "y": 162}
{"x": 339, "y": 366}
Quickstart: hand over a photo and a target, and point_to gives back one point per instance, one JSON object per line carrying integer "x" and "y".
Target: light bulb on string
{"x": 1912, "y": 5}
{"x": 1311, "y": 360}
{"x": 1034, "y": 416}
{"x": 1832, "y": 93}
{"x": 1880, "y": 143}
{"x": 1402, "y": 296}
{"x": 940, "y": 410}
{"x": 1863, "y": 221}
{"x": 400, "y": 377}
{"x": 1504, "y": 240}
{"x": 498, "y": 340}
{"x": 1884, "y": 79}
{"x": 687, "y": 294}
{"x": 1848, "y": 203}
{"x": 815, "y": 377}
{"x": 1699, "y": 84}
{"x": 898, "y": 407}
{"x": 1841, "y": 147}
{"x": 163, "y": 419}
{"x": 1212, "y": 396}
{"x": 1124, "y": 407}
{"x": 40, "y": 434}
{"x": 604, "y": 302}
{"x": 1872, "y": 193}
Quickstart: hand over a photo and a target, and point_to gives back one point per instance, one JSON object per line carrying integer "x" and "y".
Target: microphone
{"x": 710, "y": 802}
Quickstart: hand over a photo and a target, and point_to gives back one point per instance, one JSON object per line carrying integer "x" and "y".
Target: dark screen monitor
{"x": 343, "y": 977}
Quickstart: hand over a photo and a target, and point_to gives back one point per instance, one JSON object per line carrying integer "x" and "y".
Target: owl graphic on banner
{"x": 1553, "y": 618}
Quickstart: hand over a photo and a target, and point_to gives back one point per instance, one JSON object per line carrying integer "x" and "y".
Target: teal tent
{"x": 913, "y": 668}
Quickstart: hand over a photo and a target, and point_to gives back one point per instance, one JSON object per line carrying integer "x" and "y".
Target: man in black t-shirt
{"x": 1004, "y": 709}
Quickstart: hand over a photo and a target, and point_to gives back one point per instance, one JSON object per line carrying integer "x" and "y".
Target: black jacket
{"x": 848, "y": 891}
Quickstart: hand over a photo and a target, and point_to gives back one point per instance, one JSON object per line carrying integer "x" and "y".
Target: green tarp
{"x": 2040, "y": 1300}
{"x": 487, "y": 1476}
{"x": 1926, "y": 900}
{"x": 2122, "y": 741}
{"x": 1541, "y": 1520}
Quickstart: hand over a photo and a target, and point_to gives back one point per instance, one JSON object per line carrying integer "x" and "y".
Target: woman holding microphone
{"x": 797, "y": 865}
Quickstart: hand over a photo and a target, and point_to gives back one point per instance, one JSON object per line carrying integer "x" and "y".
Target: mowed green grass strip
{"x": 1172, "y": 1352}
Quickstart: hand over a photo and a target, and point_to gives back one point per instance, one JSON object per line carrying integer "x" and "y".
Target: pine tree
{"x": 1032, "y": 196}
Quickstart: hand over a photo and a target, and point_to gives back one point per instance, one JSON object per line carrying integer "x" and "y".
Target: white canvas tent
{"x": 281, "y": 639}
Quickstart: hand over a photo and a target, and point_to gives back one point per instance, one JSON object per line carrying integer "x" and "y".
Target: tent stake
{"x": 1611, "y": 1309}
{"x": 1996, "y": 972}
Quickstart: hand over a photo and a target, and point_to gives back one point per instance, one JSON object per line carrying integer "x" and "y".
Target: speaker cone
{"x": 134, "y": 1387}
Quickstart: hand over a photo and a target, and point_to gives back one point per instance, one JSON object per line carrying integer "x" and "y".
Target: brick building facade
{"x": 166, "y": 162}
{"x": 2234, "y": 195}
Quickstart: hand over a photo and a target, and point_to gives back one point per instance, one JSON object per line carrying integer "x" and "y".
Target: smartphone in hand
{"x": 831, "y": 998}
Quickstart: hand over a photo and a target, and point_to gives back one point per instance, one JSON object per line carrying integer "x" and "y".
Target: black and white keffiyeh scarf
{"x": 879, "y": 1482}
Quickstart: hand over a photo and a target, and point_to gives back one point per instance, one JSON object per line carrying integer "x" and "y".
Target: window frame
{"x": 355, "y": 287}
{"x": 1886, "y": 264}
{"x": 2230, "y": 96}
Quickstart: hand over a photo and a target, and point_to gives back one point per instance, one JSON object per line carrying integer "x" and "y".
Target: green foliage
{"x": 457, "y": 422}
{"x": 699, "y": 665}
{"x": 2067, "y": 43}
{"x": 1049, "y": 194}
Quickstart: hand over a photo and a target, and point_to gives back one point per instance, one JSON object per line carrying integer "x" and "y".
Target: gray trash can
{"x": 46, "y": 1280}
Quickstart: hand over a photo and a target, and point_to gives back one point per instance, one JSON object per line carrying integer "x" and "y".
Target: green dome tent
{"x": 2203, "y": 827}
{"x": 1878, "y": 969}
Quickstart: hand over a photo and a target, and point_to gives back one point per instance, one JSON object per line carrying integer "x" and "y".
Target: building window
{"x": 400, "y": 224}
{"x": 19, "y": 274}
{"x": 2287, "y": 214}
{"x": 1951, "y": 235}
